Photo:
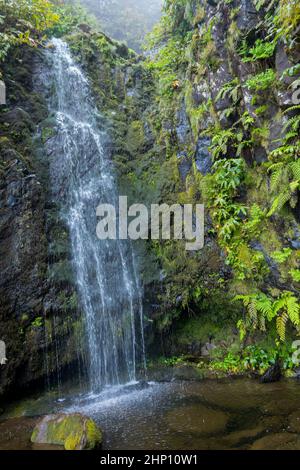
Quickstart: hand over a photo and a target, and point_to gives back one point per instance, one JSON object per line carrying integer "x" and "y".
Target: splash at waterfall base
{"x": 176, "y": 218}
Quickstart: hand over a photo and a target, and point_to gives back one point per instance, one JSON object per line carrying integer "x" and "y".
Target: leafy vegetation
{"x": 24, "y": 22}
{"x": 254, "y": 359}
{"x": 261, "y": 309}
{"x": 260, "y": 50}
{"x": 262, "y": 81}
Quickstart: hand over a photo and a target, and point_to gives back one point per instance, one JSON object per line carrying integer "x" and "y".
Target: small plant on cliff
{"x": 285, "y": 182}
{"x": 223, "y": 140}
{"x": 261, "y": 308}
{"x": 167, "y": 62}
{"x": 260, "y": 50}
{"x": 282, "y": 256}
{"x": 224, "y": 184}
{"x": 286, "y": 308}
{"x": 262, "y": 81}
{"x": 37, "y": 323}
{"x": 295, "y": 274}
{"x": 230, "y": 90}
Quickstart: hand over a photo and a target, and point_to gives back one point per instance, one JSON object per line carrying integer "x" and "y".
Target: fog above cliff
{"x": 126, "y": 20}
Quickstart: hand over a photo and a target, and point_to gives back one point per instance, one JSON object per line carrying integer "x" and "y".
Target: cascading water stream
{"x": 82, "y": 177}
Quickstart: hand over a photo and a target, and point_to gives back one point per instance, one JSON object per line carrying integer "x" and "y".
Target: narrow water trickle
{"x": 82, "y": 177}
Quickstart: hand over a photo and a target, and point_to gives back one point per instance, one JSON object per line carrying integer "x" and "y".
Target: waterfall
{"x": 82, "y": 177}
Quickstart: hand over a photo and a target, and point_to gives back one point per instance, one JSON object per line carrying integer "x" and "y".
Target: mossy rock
{"x": 74, "y": 432}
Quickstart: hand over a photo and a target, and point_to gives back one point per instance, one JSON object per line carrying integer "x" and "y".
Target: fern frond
{"x": 278, "y": 305}
{"x": 264, "y": 306}
{"x": 291, "y": 109}
{"x": 281, "y": 322}
{"x": 293, "y": 309}
{"x": 262, "y": 322}
{"x": 252, "y": 310}
{"x": 295, "y": 167}
{"x": 275, "y": 179}
{"x": 292, "y": 123}
{"x": 279, "y": 202}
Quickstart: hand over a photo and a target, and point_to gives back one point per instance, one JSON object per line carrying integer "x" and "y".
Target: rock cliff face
{"x": 38, "y": 313}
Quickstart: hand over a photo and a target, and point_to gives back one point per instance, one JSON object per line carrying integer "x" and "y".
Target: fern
{"x": 231, "y": 90}
{"x": 295, "y": 168}
{"x": 281, "y": 256}
{"x": 280, "y": 201}
{"x": 260, "y": 50}
{"x": 291, "y": 109}
{"x": 285, "y": 180}
{"x": 295, "y": 274}
{"x": 262, "y": 81}
{"x": 261, "y": 308}
{"x": 293, "y": 124}
{"x": 281, "y": 322}
{"x": 287, "y": 308}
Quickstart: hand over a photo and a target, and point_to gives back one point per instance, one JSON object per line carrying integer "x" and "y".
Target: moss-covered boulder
{"x": 73, "y": 431}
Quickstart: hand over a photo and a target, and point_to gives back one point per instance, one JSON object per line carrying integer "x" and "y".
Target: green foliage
{"x": 288, "y": 18}
{"x": 252, "y": 226}
{"x": 170, "y": 361}
{"x": 37, "y": 323}
{"x": 262, "y": 81}
{"x": 282, "y": 256}
{"x": 231, "y": 363}
{"x": 70, "y": 16}
{"x": 167, "y": 62}
{"x": 224, "y": 184}
{"x": 258, "y": 308}
{"x": 255, "y": 359}
{"x": 286, "y": 308}
{"x": 260, "y": 50}
{"x": 285, "y": 179}
{"x": 261, "y": 308}
{"x": 220, "y": 142}
{"x": 24, "y": 22}
{"x": 237, "y": 195}
{"x": 68, "y": 303}
{"x": 295, "y": 273}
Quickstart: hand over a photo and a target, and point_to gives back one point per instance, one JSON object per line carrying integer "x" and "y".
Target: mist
{"x": 126, "y": 20}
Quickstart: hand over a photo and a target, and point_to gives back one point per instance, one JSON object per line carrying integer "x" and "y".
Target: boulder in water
{"x": 73, "y": 431}
{"x": 273, "y": 374}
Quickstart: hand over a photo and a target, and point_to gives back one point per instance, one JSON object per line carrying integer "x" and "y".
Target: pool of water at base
{"x": 206, "y": 415}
